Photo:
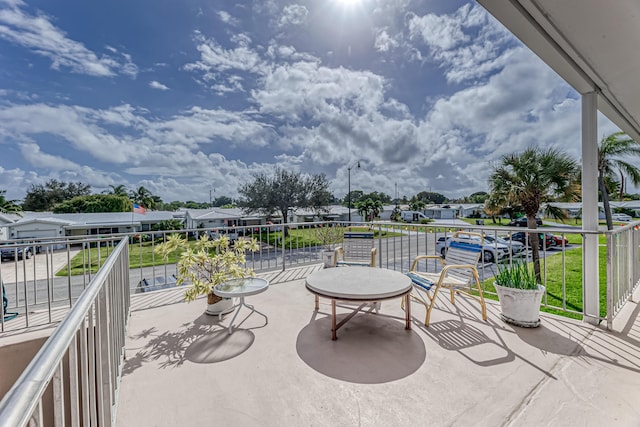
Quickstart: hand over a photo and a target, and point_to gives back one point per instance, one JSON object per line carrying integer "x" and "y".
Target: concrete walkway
{"x": 183, "y": 368}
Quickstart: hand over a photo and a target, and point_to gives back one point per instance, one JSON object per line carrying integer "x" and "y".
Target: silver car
{"x": 491, "y": 251}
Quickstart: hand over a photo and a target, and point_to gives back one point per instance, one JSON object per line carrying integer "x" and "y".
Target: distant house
{"x": 468, "y": 210}
{"x": 50, "y": 225}
{"x": 440, "y": 212}
{"x": 335, "y": 213}
{"x": 219, "y": 217}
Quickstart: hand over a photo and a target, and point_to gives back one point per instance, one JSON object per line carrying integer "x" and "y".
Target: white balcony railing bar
{"x": 397, "y": 245}
{"x": 92, "y": 337}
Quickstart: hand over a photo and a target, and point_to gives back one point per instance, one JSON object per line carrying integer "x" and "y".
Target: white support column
{"x": 590, "y": 279}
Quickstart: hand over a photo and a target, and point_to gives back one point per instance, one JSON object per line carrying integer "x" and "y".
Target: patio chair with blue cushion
{"x": 459, "y": 273}
{"x": 358, "y": 248}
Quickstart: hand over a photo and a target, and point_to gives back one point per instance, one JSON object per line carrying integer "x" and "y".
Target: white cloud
{"x": 293, "y": 14}
{"x": 384, "y": 42}
{"x": 468, "y": 43}
{"x": 40, "y": 36}
{"x": 157, "y": 85}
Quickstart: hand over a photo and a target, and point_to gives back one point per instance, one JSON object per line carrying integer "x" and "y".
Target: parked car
{"x": 621, "y": 217}
{"x": 522, "y": 237}
{"x": 491, "y": 251}
{"x": 516, "y": 247}
{"x": 16, "y": 253}
{"x": 522, "y": 222}
{"x": 560, "y": 240}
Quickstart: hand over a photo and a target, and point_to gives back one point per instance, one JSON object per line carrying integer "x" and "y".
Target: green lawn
{"x": 142, "y": 255}
{"x": 573, "y": 281}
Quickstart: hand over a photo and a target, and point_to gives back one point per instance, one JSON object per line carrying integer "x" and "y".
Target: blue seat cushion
{"x": 353, "y": 263}
{"x": 424, "y": 283}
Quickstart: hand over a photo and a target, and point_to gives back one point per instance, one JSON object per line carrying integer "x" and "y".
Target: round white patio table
{"x": 361, "y": 285}
{"x": 241, "y": 288}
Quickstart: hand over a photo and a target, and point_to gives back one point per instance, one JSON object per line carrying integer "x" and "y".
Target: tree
{"x": 369, "y": 208}
{"x": 94, "y": 203}
{"x": 356, "y": 196}
{"x": 431, "y": 198}
{"x": 118, "y": 190}
{"x": 417, "y": 204}
{"x": 44, "y": 197}
{"x": 478, "y": 197}
{"x": 222, "y": 200}
{"x": 144, "y": 197}
{"x": 611, "y": 163}
{"x": 283, "y": 191}
{"x": 168, "y": 224}
{"x": 9, "y": 206}
{"x": 531, "y": 178}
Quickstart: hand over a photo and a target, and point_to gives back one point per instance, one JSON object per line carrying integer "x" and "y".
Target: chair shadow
{"x": 469, "y": 341}
{"x": 370, "y": 349}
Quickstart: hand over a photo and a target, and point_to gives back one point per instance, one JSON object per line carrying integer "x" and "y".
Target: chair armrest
{"x": 421, "y": 257}
{"x": 336, "y": 253}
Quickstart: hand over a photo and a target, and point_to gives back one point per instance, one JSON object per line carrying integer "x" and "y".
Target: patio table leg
{"x": 407, "y": 311}
{"x": 250, "y": 307}
{"x": 334, "y": 335}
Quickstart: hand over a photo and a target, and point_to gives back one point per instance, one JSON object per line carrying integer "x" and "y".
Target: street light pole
{"x": 357, "y": 162}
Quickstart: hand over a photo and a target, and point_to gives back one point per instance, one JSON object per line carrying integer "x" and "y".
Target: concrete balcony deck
{"x": 182, "y": 368}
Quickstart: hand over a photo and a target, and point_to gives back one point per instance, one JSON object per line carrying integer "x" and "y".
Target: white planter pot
{"x": 327, "y": 257}
{"x": 520, "y": 307}
{"x": 224, "y": 306}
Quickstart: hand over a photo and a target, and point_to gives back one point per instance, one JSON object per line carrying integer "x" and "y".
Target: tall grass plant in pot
{"x": 519, "y": 293}
{"x": 208, "y": 263}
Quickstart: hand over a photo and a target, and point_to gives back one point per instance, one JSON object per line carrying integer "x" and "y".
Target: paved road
{"x": 395, "y": 253}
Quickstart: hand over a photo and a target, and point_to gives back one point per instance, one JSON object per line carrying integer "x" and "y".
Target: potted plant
{"x": 519, "y": 293}
{"x": 328, "y": 236}
{"x": 208, "y": 263}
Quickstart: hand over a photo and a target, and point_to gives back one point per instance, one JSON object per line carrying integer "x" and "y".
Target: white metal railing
{"x": 623, "y": 267}
{"x": 92, "y": 337}
{"x": 397, "y": 243}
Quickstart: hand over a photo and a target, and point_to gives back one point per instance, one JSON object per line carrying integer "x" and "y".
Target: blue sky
{"x": 184, "y": 97}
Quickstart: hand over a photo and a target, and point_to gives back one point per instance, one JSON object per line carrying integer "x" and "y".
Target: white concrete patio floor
{"x": 183, "y": 368}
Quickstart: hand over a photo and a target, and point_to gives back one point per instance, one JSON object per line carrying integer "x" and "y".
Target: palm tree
{"x": 143, "y": 197}
{"x": 369, "y": 208}
{"x": 531, "y": 178}
{"x": 118, "y": 190}
{"x": 611, "y": 151}
{"x": 9, "y": 206}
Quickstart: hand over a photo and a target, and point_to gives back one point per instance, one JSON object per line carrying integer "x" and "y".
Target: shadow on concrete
{"x": 204, "y": 340}
{"x": 219, "y": 346}
{"x": 370, "y": 349}
{"x": 469, "y": 341}
{"x": 549, "y": 341}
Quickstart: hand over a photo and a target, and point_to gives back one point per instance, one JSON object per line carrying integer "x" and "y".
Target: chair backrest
{"x": 357, "y": 246}
{"x": 464, "y": 248}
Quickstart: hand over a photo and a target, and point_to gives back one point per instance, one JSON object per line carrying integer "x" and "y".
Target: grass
{"x": 142, "y": 255}
{"x": 573, "y": 282}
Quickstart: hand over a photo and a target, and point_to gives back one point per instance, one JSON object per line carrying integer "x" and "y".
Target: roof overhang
{"x": 591, "y": 44}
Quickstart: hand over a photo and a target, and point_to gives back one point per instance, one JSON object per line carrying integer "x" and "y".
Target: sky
{"x": 192, "y": 98}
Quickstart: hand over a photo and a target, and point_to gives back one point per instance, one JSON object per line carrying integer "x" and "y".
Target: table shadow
{"x": 219, "y": 346}
{"x": 370, "y": 349}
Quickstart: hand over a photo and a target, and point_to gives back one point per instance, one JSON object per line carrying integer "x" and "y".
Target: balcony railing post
{"x": 610, "y": 296}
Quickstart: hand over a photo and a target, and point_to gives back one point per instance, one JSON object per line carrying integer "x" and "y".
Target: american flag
{"x": 139, "y": 209}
